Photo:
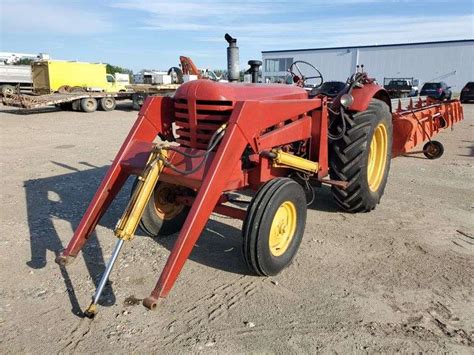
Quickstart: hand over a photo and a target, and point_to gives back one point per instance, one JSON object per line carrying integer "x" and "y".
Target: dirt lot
{"x": 396, "y": 279}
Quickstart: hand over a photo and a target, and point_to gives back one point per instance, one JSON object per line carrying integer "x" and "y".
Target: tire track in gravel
{"x": 210, "y": 309}
{"x": 76, "y": 335}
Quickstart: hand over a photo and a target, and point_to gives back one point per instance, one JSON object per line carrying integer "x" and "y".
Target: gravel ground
{"x": 396, "y": 279}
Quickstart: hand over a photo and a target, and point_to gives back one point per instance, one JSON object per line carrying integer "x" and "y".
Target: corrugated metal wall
{"x": 451, "y": 62}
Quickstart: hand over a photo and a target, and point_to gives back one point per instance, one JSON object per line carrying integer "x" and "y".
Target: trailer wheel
{"x": 107, "y": 103}
{"x": 274, "y": 226}
{"x": 89, "y": 104}
{"x": 162, "y": 215}
{"x": 433, "y": 150}
{"x": 7, "y": 90}
{"x": 362, "y": 158}
{"x": 137, "y": 100}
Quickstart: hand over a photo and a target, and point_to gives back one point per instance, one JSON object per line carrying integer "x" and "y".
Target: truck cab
{"x": 115, "y": 83}
{"x": 401, "y": 87}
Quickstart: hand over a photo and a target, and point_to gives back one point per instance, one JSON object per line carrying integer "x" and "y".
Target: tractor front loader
{"x": 276, "y": 140}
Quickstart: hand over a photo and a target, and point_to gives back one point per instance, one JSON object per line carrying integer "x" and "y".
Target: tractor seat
{"x": 329, "y": 88}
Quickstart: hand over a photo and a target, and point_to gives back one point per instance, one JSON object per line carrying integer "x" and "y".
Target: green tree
{"x": 220, "y": 72}
{"x": 112, "y": 69}
{"x": 24, "y": 61}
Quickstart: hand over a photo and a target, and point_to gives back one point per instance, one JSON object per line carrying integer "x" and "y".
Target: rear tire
{"x": 89, "y": 104}
{"x": 107, "y": 104}
{"x": 162, "y": 216}
{"x": 137, "y": 100}
{"x": 77, "y": 89}
{"x": 65, "y": 89}
{"x": 274, "y": 226}
{"x": 362, "y": 158}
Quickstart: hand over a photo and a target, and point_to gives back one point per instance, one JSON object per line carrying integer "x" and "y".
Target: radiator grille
{"x": 196, "y": 121}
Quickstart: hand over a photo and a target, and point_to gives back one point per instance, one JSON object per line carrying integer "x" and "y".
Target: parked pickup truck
{"x": 401, "y": 87}
{"x": 14, "y": 78}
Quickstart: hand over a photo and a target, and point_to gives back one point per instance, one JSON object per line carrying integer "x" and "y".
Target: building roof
{"x": 371, "y": 46}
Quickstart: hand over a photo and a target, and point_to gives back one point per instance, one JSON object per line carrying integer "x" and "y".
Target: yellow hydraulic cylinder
{"x": 287, "y": 160}
{"x": 128, "y": 224}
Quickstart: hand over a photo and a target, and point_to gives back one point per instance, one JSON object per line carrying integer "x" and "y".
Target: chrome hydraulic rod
{"x": 127, "y": 225}
{"x": 91, "y": 311}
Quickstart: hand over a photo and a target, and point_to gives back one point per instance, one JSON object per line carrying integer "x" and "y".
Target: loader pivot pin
{"x": 91, "y": 311}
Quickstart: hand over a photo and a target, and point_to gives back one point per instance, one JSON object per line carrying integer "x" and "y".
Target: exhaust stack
{"x": 232, "y": 59}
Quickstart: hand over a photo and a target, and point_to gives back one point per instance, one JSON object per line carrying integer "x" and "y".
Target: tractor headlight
{"x": 347, "y": 100}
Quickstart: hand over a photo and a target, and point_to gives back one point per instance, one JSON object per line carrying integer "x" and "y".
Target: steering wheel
{"x": 299, "y": 79}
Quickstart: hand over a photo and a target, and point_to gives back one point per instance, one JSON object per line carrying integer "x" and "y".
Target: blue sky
{"x": 141, "y": 34}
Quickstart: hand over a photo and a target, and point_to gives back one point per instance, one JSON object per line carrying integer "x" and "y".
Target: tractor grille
{"x": 197, "y": 120}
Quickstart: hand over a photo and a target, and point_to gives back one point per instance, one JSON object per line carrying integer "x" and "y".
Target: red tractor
{"x": 276, "y": 140}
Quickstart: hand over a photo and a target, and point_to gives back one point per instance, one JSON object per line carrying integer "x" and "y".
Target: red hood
{"x": 214, "y": 91}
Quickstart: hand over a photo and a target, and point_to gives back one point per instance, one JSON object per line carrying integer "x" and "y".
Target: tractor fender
{"x": 363, "y": 96}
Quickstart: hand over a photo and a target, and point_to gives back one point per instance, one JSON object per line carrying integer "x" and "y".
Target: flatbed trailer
{"x": 79, "y": 101}
{"x": 142, "y": 91}
{"x": 89, "y": 101}
{"x": 153, "y": 88}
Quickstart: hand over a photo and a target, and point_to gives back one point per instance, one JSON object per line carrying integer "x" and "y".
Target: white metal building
{"x": 448, "y": 61}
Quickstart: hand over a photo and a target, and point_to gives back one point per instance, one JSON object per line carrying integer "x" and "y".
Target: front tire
{"x": 274, "y": 226}
{"x": 362, "y": 158}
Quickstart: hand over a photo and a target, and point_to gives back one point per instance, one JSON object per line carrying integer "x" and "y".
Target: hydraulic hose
{"x": 353, "y": 81}
{"x": 215, "y": 139}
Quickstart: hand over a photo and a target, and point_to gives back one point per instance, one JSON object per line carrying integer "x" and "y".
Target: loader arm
{"x": 245, "y": 125}
{"x": 154, "y": 119}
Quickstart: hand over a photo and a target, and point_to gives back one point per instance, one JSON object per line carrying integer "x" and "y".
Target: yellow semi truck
{"x": 65, "y": 76}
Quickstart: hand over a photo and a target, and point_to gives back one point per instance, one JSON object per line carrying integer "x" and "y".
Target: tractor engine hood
{"x": 207, "y": 90}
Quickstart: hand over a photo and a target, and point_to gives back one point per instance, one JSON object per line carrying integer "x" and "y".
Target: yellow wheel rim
{"x": 283, "y": 228}
{"x": 165, "y": 209}
{"x": 377, "y": 157}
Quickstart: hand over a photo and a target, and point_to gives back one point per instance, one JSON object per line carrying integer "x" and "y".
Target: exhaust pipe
{"x": 233, "y": 69}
